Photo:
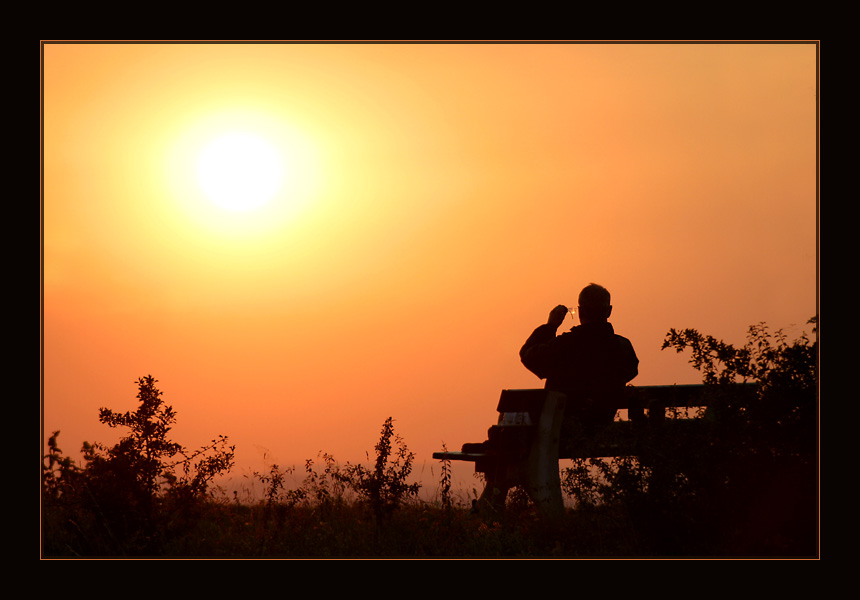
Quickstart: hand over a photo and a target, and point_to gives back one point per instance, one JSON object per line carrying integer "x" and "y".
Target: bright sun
{"x": 240, "y": 172}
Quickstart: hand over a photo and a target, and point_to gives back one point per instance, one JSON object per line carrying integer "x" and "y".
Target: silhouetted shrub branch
{"x": 131, "y": 490}
{"x": 385, "y": 487}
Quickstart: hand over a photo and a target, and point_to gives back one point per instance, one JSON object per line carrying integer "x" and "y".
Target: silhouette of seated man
{"x": 590, "y": 364}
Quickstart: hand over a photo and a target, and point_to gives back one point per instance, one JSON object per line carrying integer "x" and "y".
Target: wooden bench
{"x": 524, "y": 447}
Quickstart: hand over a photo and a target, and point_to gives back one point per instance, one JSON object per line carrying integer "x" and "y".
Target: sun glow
{"x": 240, "y": 171}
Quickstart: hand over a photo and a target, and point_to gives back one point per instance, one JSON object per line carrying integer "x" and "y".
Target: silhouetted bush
{"x": 385, "y": 487}
{"x": 129, "y": 497}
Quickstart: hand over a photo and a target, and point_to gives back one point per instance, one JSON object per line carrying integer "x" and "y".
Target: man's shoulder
{"x": 593, "y": 333}
{"x": 624, "y": 344}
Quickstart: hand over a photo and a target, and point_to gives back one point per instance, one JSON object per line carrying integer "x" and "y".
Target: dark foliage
{"x": 128, "y": 498}
{"x": 385, "y": 486}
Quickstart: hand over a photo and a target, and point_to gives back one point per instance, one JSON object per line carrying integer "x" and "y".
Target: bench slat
{"x": 465, "y": 456}
{"x": 678, "y": 396}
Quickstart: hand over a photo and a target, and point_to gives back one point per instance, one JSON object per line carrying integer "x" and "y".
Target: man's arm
{"x": 630, "y": 360}
{"x": 536, "y": 354}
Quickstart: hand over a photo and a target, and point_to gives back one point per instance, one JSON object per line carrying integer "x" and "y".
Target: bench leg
{"x": 493, "y": 497}
{"x": 537, "y": 472}
{"x": 543, "y": 486}
{"x": 500, "y": 476}
{"x": 542, "y": 480}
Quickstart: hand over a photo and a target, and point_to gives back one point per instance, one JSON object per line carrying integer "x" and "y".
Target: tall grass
{"x": 321, "y": 516}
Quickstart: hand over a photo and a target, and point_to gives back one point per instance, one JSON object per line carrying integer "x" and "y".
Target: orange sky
{"x": 439, "y": 200}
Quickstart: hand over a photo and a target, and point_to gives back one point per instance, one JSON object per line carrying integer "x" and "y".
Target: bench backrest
{"x": 524, "y": 406}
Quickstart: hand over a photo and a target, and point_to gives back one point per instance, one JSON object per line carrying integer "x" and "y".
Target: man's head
{"x": 594, "y": 305}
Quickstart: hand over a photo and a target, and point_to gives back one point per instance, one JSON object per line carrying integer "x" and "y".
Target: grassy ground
{"x": 340, "y": 528}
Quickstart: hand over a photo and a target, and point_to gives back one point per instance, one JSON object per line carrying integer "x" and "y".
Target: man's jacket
{"x": 589, "y": 363}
